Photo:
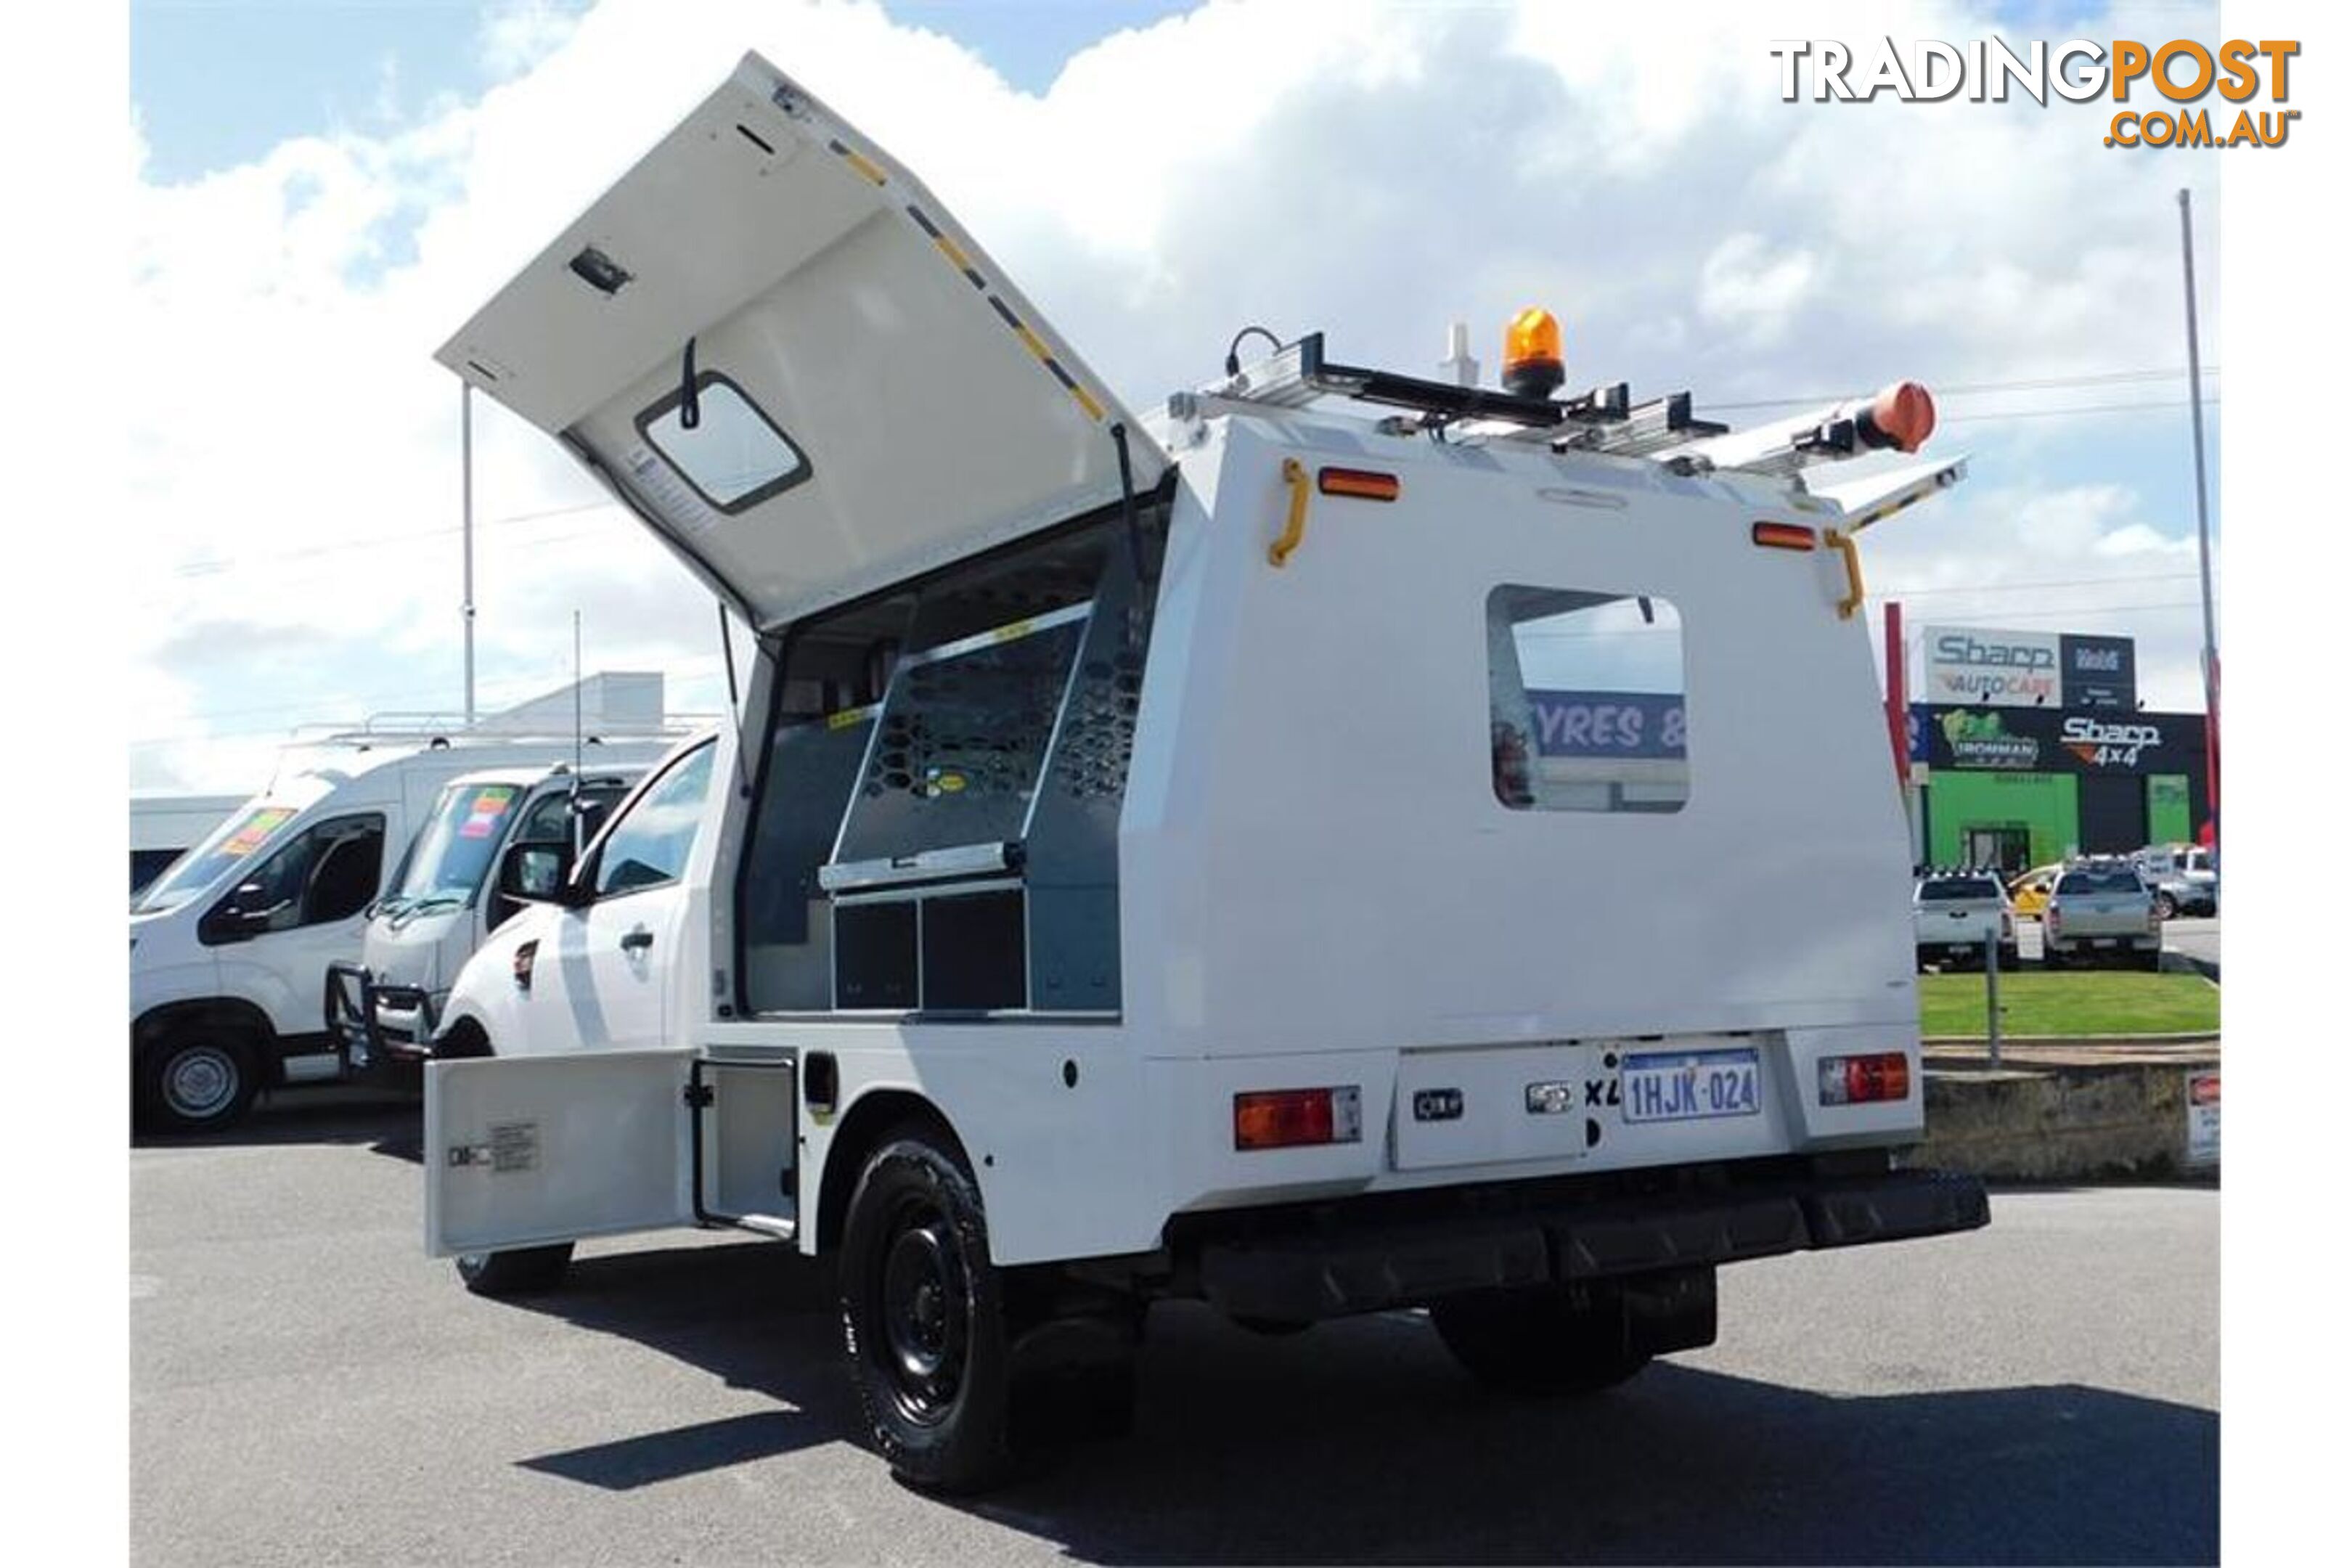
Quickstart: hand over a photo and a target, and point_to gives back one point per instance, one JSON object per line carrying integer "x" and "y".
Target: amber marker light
{"x": 1783, "y": 536}
{"x": 1362, "y": 483}
{"x": 1532, "y": 364}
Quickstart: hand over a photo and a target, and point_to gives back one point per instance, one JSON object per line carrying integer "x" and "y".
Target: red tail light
{"x": 1295, "y": 1117}
{"x": 1862, "y": 1080}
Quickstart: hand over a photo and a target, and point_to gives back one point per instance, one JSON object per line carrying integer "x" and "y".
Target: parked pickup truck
{"x": 2101, "y": 910}
{"x": 1954, "y": 913}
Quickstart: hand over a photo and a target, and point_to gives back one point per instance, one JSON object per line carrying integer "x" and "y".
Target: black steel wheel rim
{"x": 921, "y": 1293}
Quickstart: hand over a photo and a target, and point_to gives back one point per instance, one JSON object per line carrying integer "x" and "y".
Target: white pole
{"x": 466, "y": 461}
{"x": 2204, "y": 540}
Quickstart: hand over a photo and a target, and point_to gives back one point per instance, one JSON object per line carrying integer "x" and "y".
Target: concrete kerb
{"x": 2064, "y": 1110}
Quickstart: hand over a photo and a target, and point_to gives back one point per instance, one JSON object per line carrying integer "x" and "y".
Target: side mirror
{"x": 538, "y": 872}
{"x": 241, "y": 916}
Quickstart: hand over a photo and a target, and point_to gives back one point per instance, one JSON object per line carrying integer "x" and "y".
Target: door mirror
{"x": 536, "y": 873}
{"x": 242, "y": 916}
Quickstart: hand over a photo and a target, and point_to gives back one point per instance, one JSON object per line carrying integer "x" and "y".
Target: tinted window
{"x": 1943, "y": 888}
{"x": 650, "y": 845}
{"x": 548, "y": 820}
{"x": 326, "y": 873}
{"x": 1585, "y": 701}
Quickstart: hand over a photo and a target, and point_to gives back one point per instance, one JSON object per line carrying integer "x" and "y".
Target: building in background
{"x": 2030, "y": 746}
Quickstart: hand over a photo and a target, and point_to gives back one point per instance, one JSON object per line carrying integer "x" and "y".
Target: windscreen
{"x": 1940, "y": 889}
{"x": 233, "y": 842}
{"x": 453, "y": 853}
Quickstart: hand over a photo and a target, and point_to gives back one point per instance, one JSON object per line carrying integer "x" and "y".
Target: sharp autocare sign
{"x": 2102, "y": 744}
{"x": 2011, "y": 670}
{"x": 2204, "y": 1098}
{"x": 2178, "y": 71}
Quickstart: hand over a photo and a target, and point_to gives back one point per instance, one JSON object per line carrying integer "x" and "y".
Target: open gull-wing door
{"x": 789, "y": 359}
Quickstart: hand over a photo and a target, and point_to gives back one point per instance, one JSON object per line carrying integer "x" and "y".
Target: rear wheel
{"x": 1553, "y": 1340}
{"x": 923, "y": 1318}
{"x": 2165, "y": 907}
{"x": 518, "y": 1271}
{"x": 198, "y": 1078}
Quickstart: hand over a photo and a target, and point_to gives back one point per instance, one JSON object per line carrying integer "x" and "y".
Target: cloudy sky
{"x": 324, "y": 193}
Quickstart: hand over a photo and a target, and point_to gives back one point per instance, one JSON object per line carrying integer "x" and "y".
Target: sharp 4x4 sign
{"x": 2009, "y": 669}
{"x": 2105, "y": 743}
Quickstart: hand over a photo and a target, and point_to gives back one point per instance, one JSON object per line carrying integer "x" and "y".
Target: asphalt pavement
{"x": 308, "y": 1387}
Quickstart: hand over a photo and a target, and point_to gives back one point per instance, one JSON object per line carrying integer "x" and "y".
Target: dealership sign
{"x": 2103, "y": 744}
{"x": 2006, "y": 669}
{"x": 2097, "y": 673}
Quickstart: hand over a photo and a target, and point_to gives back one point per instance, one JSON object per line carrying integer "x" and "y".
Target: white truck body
{"x": 1182, "y": 878}
{"x": 225, "y": 1002}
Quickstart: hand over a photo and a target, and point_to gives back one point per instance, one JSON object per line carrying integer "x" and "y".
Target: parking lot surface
{"x": 306, "y": 1388}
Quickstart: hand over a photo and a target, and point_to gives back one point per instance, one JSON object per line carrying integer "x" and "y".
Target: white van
{"x": 229, "y": 948}
{"x": 436, "y": 909}
{"x": 1305, "y": 858}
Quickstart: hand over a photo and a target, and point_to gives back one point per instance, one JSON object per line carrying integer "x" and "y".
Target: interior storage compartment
{"x": 745, "y": 1172}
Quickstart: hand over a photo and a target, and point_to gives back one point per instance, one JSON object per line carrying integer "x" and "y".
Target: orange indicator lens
{"x": 1362, "y": 483}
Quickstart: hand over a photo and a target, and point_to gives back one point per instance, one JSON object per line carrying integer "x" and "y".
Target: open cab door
{"x": 788, "y": 358}
{"x": 524, "y": 1151}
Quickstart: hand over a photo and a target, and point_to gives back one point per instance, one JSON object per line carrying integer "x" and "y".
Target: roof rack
{"x": 1602, "y": 419}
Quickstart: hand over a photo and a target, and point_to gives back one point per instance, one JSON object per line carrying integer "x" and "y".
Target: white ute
{"x": 1303, "y": 861}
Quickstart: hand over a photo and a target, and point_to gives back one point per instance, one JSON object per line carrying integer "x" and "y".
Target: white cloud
{"x": 1372, "y": 171}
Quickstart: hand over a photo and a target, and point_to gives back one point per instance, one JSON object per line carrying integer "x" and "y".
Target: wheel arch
{"x": 870, "y": 1116}
{"x": 166, "y": 1018}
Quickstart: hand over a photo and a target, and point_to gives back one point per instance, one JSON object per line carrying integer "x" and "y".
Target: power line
{"x": 2041, "y": 384}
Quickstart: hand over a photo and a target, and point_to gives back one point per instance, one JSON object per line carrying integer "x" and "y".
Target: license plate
{"x": 1691, "y": 1086}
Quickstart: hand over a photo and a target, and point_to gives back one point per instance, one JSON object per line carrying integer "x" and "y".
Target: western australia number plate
{"x": 1691, "y": 1086}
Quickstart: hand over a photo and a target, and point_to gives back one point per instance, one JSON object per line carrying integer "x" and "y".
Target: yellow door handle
{"x": 1842, "y": 542}
{"x": 1294, "y": 529}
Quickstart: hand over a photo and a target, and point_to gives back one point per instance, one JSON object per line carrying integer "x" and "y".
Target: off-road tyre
{"x": 198, "y": 1077}
{"x": 518, "y": 1271}
{"x": 1538, "y": 1342}
{"x": 923, "y": 1318}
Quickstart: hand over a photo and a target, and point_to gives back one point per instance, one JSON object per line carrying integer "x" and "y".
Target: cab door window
{"x": 648, "y": 844}
{"x": 327, "y": 873}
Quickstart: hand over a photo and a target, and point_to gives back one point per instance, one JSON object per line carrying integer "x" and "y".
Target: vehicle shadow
{"x": 387, "y": 1120}
{"x": 1360, "y": 1441}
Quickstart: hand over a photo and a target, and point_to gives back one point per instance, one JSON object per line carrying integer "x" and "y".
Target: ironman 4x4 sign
{"x": 2103, "y": 746}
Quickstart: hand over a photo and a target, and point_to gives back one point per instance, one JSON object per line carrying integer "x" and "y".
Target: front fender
{"x": 486, "y": 995}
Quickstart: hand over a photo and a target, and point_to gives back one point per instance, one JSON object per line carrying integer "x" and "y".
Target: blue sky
{"x": 220, "y": 82}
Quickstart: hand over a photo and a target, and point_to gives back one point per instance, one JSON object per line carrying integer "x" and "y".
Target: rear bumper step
{"x": 1340, "y": 1264}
